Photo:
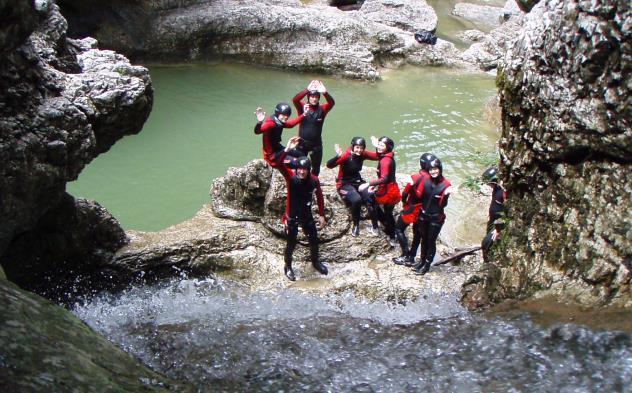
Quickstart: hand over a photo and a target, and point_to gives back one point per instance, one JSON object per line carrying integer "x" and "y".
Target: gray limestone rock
{"x": 566, "y": 151}
{"x": 62, "y": 102}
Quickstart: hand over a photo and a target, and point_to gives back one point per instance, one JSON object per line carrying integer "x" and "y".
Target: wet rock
{"x": 408, "y": 15}
{"x": 62, "y": 102}
{"x": 46, "y": 348}
{"x": 565, "y": 149}
{"x": 250, "y": 248}
{"x": 74, "y": 239}
{"x": 482, "y": 16}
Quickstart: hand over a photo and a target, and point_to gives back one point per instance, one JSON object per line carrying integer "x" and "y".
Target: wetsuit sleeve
{"x": 337, "y": 160}
{"x": 297, "y": 100}
{"x": 319, "y": 198}
{"x": 385, "y": 169}
{"x": 329, "y": 105}
{"x": 282, "y": 167}
{"x": 370, "y": 155}
{"x": 266, "y": 126}
{"x": 293, "y": 122}
{"x": 443, "y": 202}
{"x": 405, "y": 193}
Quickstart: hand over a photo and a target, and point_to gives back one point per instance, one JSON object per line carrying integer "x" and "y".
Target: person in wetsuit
{"x": 436, "y": 190}
{"x": 349, "y": 180}
{"x": 385, "y": 189}
{"x": 411, "y": 199}
{"x": 311, "y": 127}
{"x": 495, "y": 223}
{"x": 271, "y": 129}
{"x": 301, "y": 186}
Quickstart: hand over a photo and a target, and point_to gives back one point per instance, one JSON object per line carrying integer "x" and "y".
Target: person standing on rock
{"x": 301, "y": 186}
{"x": 411, "y": 200}
{"x": 385, "y": 189}
{"x": 349, "y": 180}
{"x": 435, "y": 194}
{"x": 496, "y": 209}
{"x": 271, "y": 129}
{"x": 311, "y": 127}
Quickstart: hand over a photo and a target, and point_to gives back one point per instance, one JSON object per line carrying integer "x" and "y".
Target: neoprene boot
{"x": 423, "y": 268}
{"x": 355, "y": 231}
{"x": 289, "y": 272}
{"x": 403, "y": 260}
{"x": 320, "y": 267}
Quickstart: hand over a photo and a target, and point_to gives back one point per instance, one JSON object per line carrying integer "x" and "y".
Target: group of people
{"x": 424, "y": 199}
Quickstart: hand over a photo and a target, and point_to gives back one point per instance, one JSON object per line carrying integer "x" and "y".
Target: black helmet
{"x": 303, "y": 163}
{"x": 490, "y": 175}
{"x": 424, "y": 159}
{"x": 358, "y": 141}
{"x": 313, "y": 93}
{"x": 388, "y": 142}
{"x": 436, "y": 163}
{"x": 282, "y": 109}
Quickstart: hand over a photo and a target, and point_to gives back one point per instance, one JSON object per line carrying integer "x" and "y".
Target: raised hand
{"x": 337, "y": 149}
{"x": 374, "y": 140}
{"x": 321, "y": 87}
{"x": 260, "y": 114}
{"x": 293, "y": 142}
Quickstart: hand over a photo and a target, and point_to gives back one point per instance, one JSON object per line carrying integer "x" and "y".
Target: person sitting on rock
{"x": 411, "y": 199}
{"x": 495, "y": 223}
{"x": 349, "y": 180}
{"x": 436, "y": 190}
{"x": 311, "y": 127}
{"x": 271, "y": 128}
{"x": 385, "y": 189}
{"x": 301, "y": 186}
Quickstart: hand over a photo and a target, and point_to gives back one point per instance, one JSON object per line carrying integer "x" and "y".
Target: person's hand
{"x": 337, "y": 149}
{"x": 313, "y": 85}
{"x": 495, "y": 235}
{"x": 321, "y": 222}
{"x": 293, "y": 142}
{"x": 448, "y": 190}
{"x": 372, "y": 189}
{"x": 260, "y": 114}
{"x": 363, "y": 187}
{"x": 321, "y": 88}
{"x": 306, "y": 107}
{"x": 374, "y": 140}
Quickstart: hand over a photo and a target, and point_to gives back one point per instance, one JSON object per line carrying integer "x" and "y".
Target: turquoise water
{"x": 202, "y": 123}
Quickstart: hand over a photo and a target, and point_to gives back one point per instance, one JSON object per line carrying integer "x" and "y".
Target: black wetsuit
{"x": 497, "y": 205}
{"x": 298, "y": 210}
{"x": 432, "y": 216}
{"x": 311, "y": 128}
{"x": 348, "y": 181}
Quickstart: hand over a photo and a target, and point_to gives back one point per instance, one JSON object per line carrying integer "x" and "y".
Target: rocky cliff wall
{"x": 62, "y": 102}
{"x": 566, "y": 155}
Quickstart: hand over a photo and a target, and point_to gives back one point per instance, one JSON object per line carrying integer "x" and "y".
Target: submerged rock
{"x": 566, "y": 152}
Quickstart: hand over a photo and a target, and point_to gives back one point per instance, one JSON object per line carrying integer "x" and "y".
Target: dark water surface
{"x": 221, "y": 337}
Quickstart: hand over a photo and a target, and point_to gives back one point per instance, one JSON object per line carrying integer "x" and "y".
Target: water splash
{"x": 221, "y": 336}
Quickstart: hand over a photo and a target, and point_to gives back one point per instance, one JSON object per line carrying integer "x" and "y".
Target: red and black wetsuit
{"x": 272, "y": 128}
{"x": 497, "y": 205}
{"x": 298, "y": 209}
{"x": 386, "y": 183}
{"x": 411, "y": 199}
{"x": 348, "y": 181}
{"x": 311, "y": 128}
{"x": 432, "y": 215}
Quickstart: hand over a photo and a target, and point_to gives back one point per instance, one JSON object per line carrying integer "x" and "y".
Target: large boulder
{"x": 566, "y": 153}
{"x": 278, "y": 33}
{"x": 62, "y": 102}
{"x": 239, "y": 236}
